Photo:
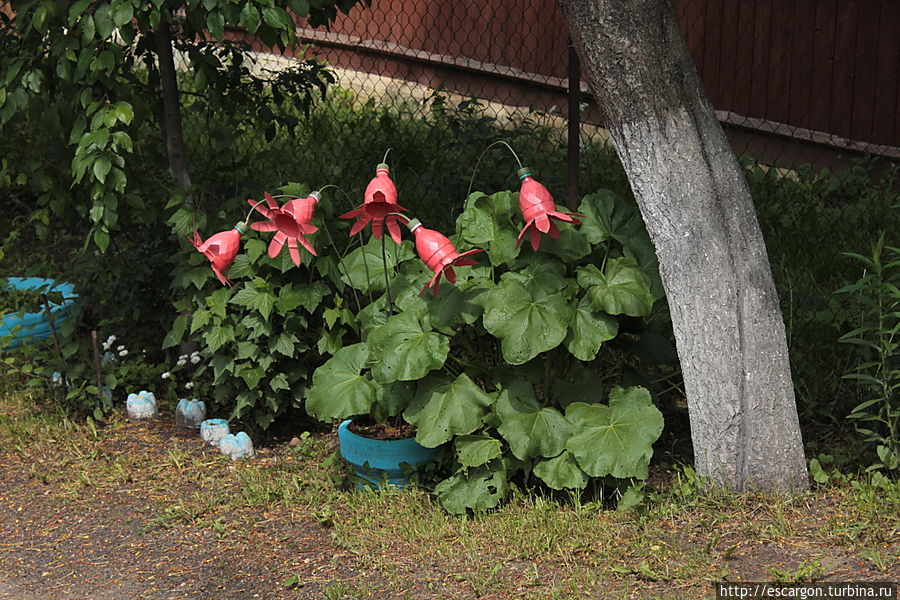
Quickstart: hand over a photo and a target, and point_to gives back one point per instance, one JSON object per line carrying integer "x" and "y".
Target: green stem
{"x": 362, "y": 248}
{"x": 341, "y": 266}
{"x": 387, "y": 281}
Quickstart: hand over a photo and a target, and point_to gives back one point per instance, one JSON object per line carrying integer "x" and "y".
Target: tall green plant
{"x": 506, "y": 365}
{"x": 877, "y": 294}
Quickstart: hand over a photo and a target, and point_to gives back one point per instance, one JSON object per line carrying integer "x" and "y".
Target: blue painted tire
{"x": 17, "y": 329}
{"x": 380, "y": 461}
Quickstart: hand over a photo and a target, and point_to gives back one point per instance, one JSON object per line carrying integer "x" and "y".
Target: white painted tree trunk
{"x": 698, "y": 210}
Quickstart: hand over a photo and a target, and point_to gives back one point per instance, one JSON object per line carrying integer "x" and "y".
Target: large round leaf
{"x": 480, "y": 488}
{"x": 486, "y": 224}
{"x": 617, "y": 439}
{"x": 406, "y": 349}
{"x": 443, "y": 409}
{"x": 605, "y": 215}
{"x": 339, "y": 389}
{"x": 588, "y": 330}
{"x": 526, "y": 323}
{"x": 475, "y": 450}
{"x": 530, "y": 430}
{"x": 622, "y": 288}
{"x": 561, "y": 472}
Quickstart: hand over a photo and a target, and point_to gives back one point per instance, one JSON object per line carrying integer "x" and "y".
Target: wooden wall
{"x": 830, "y": 66}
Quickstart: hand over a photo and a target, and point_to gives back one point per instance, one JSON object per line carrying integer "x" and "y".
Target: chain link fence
{"x": 807, "y": 91}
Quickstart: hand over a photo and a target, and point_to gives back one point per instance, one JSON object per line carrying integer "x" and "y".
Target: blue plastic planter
{"x": 380, "y": 461}
{"x": 17, "y": 329}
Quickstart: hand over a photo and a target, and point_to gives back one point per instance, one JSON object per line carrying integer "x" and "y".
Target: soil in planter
{"x": 382, "y": 431}
{"x": 29, "y": 300}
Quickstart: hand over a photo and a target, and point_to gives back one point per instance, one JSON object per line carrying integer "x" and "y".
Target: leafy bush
{"x": 506, "y": 364}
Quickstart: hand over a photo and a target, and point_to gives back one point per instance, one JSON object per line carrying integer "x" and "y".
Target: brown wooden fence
{"x": 820, "y": 73}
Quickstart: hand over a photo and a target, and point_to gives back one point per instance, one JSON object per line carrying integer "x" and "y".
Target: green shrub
{"x": 506, "y": 364}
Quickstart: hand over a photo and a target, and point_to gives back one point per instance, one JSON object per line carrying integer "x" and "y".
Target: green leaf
{"x": 454, "y": 305}
{"x": 443, "y": 409}
{"x": 284, "y": 344}
{"x": 246, "y": 350}
{"x": 251, "y": 375}
{"x": 475, "y": 450}
{"x": 605, "y": 216}
{"x": 216, "y": 337}
{"x": 307, "y": 296}
{"x": 122, "y": 12}
{"x": 364, "y": 269}
{"x": 101, "y": 168}
{"x": 250, "y": 18}
{"x": 215, "y": 23}
{"x": 486, "y": 224}
{"x": 525, "y": 324}
{"x": 279, "y": 382}
{"x": 200, "y": 319}
{"x": 588, "y": 330}
{"x": 277, "y": 18}
{"x": 631, "y": 497}
{"x": 339, "y": 389}
{"x": 617, "y": 439}
{"x": 561, "y": 472}
{"x": 621, "y": 289}
{"x": 176, "y": 333}
{"x": 406, "y": 349}
{"x": 479, "y": 489}
{"x": 530, "y": 430}
{"x": 570, "y": 246}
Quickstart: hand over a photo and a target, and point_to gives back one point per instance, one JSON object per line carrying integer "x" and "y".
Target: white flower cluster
{"x": 120, "y": 349}
{"x": 109, "y": 342}
{"x": 193, "y": 357}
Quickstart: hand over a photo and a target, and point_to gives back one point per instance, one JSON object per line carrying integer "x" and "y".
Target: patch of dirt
{"x": 111, "y": 543}
{"x": 382, "y": 431}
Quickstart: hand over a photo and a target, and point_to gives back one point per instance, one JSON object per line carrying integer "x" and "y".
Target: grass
{"x": 682, "y": 538}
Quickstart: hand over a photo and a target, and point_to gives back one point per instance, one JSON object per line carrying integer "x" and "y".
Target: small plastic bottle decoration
{"x": 538, "y": 208}
{"x": 213, "y": 430}
{"x": 189, "y": 413}
{"x": 141, "y": 405}
{"x": 380, "y": 199}
{"x": 438, "y": 254}
{"x": 221, "y": 249}
{"x": 291, "y": 223}
{"x": 236, "y": 446}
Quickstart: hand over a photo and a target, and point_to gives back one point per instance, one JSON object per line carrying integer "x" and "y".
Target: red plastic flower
{"x": 538, "y": 208}
{"x": 438, "y": 254}
{"x": 290, "y": 223}
{"x": 220, "y": 249}
{"x": 380, "y": 200}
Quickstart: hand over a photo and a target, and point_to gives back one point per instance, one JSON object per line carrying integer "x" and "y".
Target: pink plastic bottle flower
{"x": 538, "y": 210}
{"x": 438, "y": 254}
{"x": 221, "y": 249}
{"x": 380, "y": 199}
{"x": 291, "y": 223}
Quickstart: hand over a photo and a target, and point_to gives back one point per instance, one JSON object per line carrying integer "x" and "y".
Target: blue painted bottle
{"x": 189, "y": 413}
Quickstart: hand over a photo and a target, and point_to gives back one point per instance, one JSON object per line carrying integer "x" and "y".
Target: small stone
{"x": 295, "y": 441}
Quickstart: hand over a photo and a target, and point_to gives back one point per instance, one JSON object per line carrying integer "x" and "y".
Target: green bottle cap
{"x": 524, "y": 172}
{"x": 383, "y": 166}
{"x": 241, "y": 227}
{"x": 412, "y": 224}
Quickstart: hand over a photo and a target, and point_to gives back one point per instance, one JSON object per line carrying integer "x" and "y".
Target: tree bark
{"x": 697, "y": 207}
{"x": 171, "y": 111}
